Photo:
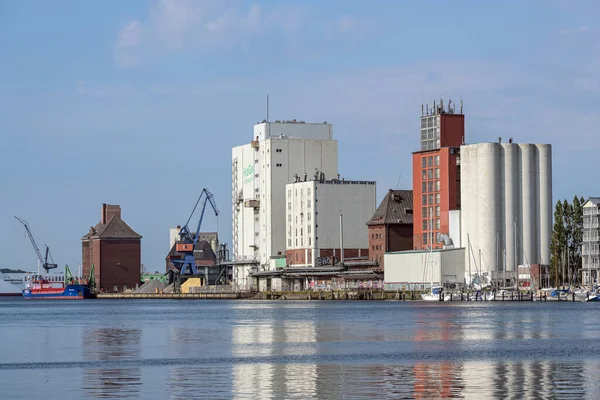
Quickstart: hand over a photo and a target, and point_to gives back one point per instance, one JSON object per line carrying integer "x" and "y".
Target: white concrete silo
{"x": 512, "y": 202}
{"x": 527, "y": 227}
{"x": 545, "y": 201}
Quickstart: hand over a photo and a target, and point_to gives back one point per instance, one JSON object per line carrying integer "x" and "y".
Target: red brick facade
{"x": 387, "y": 238}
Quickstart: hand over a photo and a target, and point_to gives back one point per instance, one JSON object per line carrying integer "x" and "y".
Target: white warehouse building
{"x": 506, "y": 207}
{"x": 327, "y": 220}
{"x": 260, "y": 170}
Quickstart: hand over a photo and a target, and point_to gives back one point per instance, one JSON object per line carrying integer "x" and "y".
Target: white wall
{"x": 416, "y": 269}
{"x": 504, "y": 183}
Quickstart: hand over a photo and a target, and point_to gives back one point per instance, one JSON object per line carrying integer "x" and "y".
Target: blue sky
{"x": 138, "y": 103}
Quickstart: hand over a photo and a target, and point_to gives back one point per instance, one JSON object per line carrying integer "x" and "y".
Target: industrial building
{"x": 260, "y": 170}
{"x": 506, "y": 209}
{"x": 591, "y": 241}
{"x": 391, "y": 226}
{"x": 114, "y": 249}
{"x": 436, "y": 172}
{"x": 326, "y": 220}
{"x": 206, "y": 249}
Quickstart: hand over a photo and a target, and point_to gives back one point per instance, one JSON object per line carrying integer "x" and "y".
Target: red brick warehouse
{"x": 115, "y": 251}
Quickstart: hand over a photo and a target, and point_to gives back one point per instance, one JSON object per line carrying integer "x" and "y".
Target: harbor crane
{"x": 187, "y": 239}
{"x": 42, "y": 260}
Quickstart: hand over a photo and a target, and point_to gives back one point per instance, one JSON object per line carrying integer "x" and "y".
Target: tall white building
{"x": 590, "y": 251}
{"x": 313, "y": 220}
{"x": 506, "y": 206}
{"x": 260, "y": 170}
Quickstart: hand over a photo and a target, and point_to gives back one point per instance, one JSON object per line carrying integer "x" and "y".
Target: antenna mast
{"x": 267, "y": 108}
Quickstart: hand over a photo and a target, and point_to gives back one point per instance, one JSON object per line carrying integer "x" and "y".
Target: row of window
{"x": 426, "y": 238}
{"x": 429, "y": 224}
{"x": 301, "y": 242}
{"x": 430, "y": 122}
{"x": 432, "y": 173}
{"x": 429, "y": 199}
{"x": 429, "y": 213}
{"x": 376, "y": 247}
{"x": 430, "y": 161}
{"x": 308, "y": 205}
{"x": 431, "y": 133}
{"x": 431, "y": 186}
{"x": 376, "y": 235}
{"x": 308, "y": 192}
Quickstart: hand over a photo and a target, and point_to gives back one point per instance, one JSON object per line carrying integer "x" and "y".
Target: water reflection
{"x": 114, "y": 345}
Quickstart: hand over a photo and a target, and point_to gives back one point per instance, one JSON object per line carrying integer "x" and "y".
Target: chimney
{"x": 103, "y": 219}
{"x": 109, "y": 211}
{"x": 509, "y": 140}
{"x": 499, "y": 140}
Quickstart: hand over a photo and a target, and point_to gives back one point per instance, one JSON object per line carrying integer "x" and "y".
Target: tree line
{"x": 567, "y": 237}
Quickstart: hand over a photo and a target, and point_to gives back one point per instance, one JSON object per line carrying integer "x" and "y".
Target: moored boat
{"x": 44, "y": 289}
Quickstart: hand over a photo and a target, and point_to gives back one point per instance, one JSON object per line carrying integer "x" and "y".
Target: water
{"x": 153, "y": 349}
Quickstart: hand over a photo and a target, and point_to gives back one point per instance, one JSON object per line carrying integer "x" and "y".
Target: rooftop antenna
{"x": 398, "y": 183}
{"x": 267, "y": 108}
{"x": 461, "y": 104}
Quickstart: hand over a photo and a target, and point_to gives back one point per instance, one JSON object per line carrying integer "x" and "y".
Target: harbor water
{"x": 170, "y": 349}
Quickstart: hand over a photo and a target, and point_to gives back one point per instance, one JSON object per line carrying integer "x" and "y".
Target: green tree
{"x": 558, "y": 242}
{"x": 576, "y": 236}
{"x": 565, "y": 250}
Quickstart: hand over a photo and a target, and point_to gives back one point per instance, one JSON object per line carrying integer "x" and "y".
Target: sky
{"x": 139, "y": 103}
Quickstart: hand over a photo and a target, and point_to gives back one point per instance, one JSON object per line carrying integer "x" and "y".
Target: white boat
{"x": 434, "y": 294}
{"x": 12, "y": 283}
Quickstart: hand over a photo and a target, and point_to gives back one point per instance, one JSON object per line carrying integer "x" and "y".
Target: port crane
{"x": 187, "y": 239}
{"x": 43, "y": 260}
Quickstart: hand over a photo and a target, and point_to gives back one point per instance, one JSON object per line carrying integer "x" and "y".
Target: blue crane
{"x": 43, "y": 261}
{"x": 187, "y": 239}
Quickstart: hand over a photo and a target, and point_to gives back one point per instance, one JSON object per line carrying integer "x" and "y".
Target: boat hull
{"x": 69, "y": 292}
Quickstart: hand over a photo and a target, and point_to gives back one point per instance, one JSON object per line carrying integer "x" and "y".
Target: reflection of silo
{"x": 545, "y": 201}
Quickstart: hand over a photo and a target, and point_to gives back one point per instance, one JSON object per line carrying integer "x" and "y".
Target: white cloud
{"x": 128, "y": 42}
{"x": 180, "y": 25}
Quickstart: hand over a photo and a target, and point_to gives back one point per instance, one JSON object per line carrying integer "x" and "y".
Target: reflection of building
{"x": 591, "y": 240}
{"x": 506, "y": 213}
{"x": 260, "y": 171}
{"x": 111, "y": 344}
{"x": 391, "y": 226}
{"x": 313, "y": 217}
{"x": 436, "y": 173}
{"x": 114, "y": 249}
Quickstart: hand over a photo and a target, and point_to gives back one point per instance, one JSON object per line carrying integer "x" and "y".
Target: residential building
{"x": 260, "y": 170}
{"x": 391, "y": 226}
{"x": 114, "y": 249}
{"x": 591, "y": 240}
{"x": 506, "y": 210}
{"x": 326, "y": 220}
{"x": 436, "y": 173}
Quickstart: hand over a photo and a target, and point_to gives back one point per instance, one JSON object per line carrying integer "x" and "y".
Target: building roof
{"x": 202, "y": 251}
{"x": 594, "y": 200}
{"x": 116, "y": 228}
{"x": 395, "y": 208}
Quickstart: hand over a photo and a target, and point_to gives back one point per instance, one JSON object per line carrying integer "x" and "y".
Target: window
{"x": 289, "y": 218}
{"x": 278, "y": 150}
{"x": 437, "y": 198}
{"x": 308, "y": 203}
{"x": 437, "y": 186}
{"x": 437, "y": 211}
{"x": 309, "y": 230}
{"x": 289, "y": 192}
{"x": 424, "y": 227}
{"x": 423, "y": 162}
{"x": 308, "y": 191}
{"x": 430, "y": 211}
{"x": 437, "y": 173}
{"x": 301, "y": 232}
{"x": 430, "y": 161}
{"x": 437, "y": 223}
{"x": 309, "y": 216}
{"x": 424, "y": 175}
{"x": 429, "y": 174}
{"x": 424, "y": 187}
{"x": 430, "y": 185}
{"x": 309, "y": 242}
{"x": 424, "y": 239}
{"x": 278, "y": 165}
{"x": 255, "y": 161}
{"x": 424, "y": 200}
{"x": 289, "y": 205}
{"x": 437, "y": 160}
{"x": 424, "y": 212}
{"x": 430, "y": 199}
{"x": 289, "y": 242}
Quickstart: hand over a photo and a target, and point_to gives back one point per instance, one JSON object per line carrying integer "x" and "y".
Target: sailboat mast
{"x": 516, "y": 255}
{"x": 469, "y": 252}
